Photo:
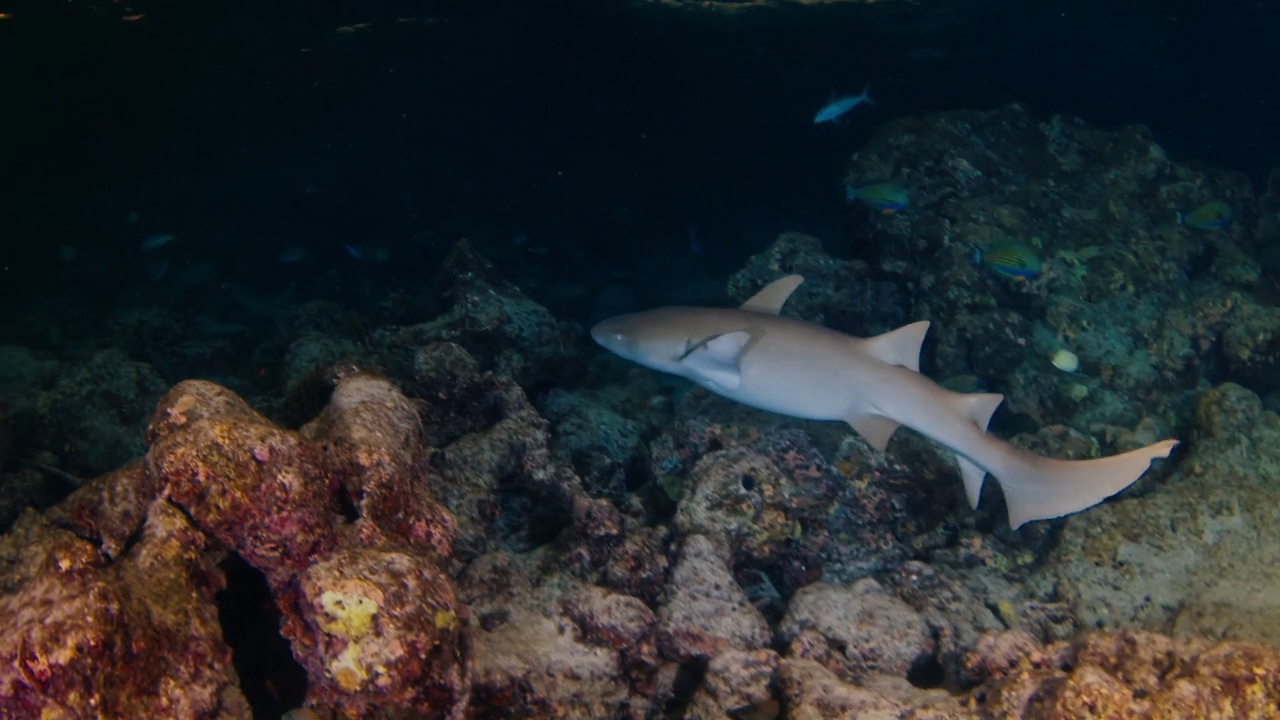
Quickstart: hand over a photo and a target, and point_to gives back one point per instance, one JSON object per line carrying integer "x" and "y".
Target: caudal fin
{"x": 1039, "y": 488}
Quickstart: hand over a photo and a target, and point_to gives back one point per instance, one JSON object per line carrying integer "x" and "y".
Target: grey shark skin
{"x": 758, "y": 358}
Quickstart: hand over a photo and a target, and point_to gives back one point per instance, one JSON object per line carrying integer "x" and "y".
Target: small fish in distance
{"x": 837, "y": 107}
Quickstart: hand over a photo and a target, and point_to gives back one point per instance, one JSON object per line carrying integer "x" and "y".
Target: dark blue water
{"x": 602, "y": 133}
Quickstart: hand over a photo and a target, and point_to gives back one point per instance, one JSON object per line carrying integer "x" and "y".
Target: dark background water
{"x": 607, "y": 134}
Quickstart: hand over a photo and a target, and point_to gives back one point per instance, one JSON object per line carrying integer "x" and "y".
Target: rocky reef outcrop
{"x": 335, "y": 518}
{"x": 462, "y": 513}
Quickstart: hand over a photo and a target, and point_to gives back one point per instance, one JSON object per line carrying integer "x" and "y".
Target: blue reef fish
{"x": 1209, "y": 216}
{"x": 836, "y": 107}
{"x": 157, "y": 241}
{"x": 886, "y": 197}
{"x": 368, "y": 252}
{"x": 292, "y": 254}
{"x": 1009, "y": 258}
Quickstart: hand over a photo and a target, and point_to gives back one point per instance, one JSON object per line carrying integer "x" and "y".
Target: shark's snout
{"x": 656, "y": 339}
{"x": 606, "y": 335}
{"x": 618, "y": 336}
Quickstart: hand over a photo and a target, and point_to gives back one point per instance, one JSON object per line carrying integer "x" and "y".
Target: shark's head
{"x": 656, "y": 339}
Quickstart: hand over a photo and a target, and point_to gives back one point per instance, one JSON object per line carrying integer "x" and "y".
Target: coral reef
{"x": 94, "y": 412}
{"x": 856, "y": 630}
{"x": 449, "y": 513}
{"x": 601, "y": 445}
{"x": 706, "y": 612}
{"x": 84, "y": 636}
{"x": 335, "y": 518}
{"x": 555, "y": 649}
{"x": 1121, "y": 285}
{"x": 496, "y": 323}
{"x": 1125, "y": 674}
{"x": 1200, "y": 555}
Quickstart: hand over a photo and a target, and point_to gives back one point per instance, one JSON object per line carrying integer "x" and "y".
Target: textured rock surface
{"x": 1200, "y": 553}
{"x": 337, "y": 520}
{"x": 82, "y": 632}
{"x": 1127, "y": 674}
{"x": 556, "y": 649}
{"x": 600, "y": 444}
{"x": 262, "y": 491}
{"x": 706, "y": 612}
{"x": 381, "y": 629}
{"x": 93, "y": 415}
{"x": 856, "y": 630}
{"x": 496, "y": 323}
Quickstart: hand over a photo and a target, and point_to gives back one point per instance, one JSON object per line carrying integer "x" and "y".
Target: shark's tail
{"x": 1039, "y": 488}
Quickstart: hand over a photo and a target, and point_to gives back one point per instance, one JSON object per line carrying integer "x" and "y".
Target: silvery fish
{"x": 837, "y": 107}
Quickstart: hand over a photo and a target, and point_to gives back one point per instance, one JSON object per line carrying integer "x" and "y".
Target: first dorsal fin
{"x": 899, "y": 347}
{"x": 774, "y": 295}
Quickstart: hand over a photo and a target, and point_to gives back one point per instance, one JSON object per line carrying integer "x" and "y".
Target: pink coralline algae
{"x": 88, "y": 637}
{"x": 1126, "y": 674}
{"x": 338, "y": 520}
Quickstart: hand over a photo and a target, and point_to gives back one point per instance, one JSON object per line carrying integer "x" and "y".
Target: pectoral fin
{"x": 715, "y": 360}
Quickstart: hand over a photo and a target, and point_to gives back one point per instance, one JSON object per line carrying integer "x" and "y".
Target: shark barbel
{"x": 756, "y": 357}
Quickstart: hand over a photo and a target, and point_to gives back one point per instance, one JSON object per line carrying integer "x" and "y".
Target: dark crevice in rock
{"x": 528, "y": 518}
{"x": 927, "y": 673}
{"x": 688, "y": 679}
{"x": 348, "y": 506}
{"x": 270, "y": 678}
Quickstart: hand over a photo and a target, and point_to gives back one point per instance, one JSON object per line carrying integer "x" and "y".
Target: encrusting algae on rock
{"x": 359, "y": 591}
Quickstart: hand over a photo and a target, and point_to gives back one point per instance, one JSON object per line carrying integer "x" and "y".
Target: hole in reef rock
{"x": 270, "y": 678}
{"x": 927, "y": 673}
{"x": 528, "y": 517}
{"x": 688, "y": 679}
{"x": 347, "y": 506}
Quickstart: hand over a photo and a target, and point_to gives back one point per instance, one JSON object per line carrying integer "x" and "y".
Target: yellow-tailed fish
{"x": 887, "y": 197}
{"x": 1209, "y": 216}
{"x": 1011, "y": 258}
{"x": 964, "y": 384}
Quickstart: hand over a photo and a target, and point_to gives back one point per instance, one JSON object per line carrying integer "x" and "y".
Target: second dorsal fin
{"x": 901, "y": 346}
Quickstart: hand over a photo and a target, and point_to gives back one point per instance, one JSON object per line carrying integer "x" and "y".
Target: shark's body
{"x": 836, "y": 108}
{"x": 788, "y": 366}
